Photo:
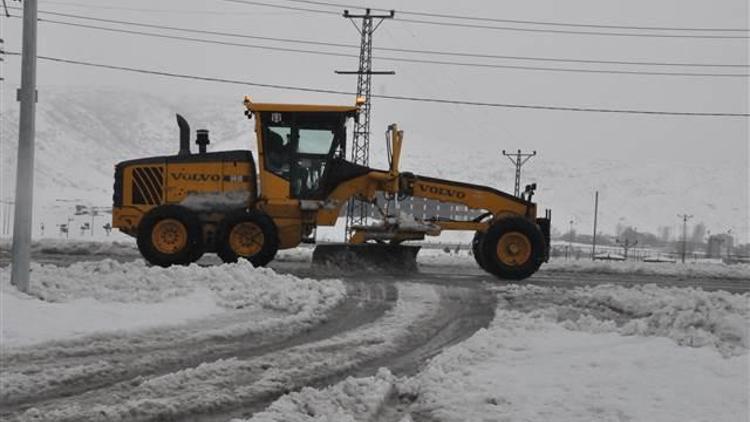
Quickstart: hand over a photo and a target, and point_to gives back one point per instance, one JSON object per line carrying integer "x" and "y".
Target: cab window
{"x": 315, "y": 141}
{"x": 313, "y": 149}
{"x": 278, "y": 150}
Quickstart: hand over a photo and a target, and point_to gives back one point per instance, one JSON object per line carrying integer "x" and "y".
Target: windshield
{"x": 315, "y": 141}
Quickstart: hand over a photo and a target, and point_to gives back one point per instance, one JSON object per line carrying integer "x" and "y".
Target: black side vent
{"x": 148, "y": 185}
{"x": 117, "y": 188}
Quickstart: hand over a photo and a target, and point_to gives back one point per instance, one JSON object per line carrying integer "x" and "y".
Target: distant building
{"x": 719, "y": 245}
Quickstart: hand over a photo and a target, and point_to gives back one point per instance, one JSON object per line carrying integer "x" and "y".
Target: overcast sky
{"x": 576, "y": 137}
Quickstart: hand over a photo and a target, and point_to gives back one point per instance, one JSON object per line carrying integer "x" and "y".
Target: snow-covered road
{"x": 228, "y": 364}
{"x": 458, "y": 345}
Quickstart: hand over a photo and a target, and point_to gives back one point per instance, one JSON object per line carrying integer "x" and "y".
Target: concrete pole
{"x": 93, "y": 214}
{"x": 685, "y": 218}
{"x": 21, "y": 254}
{"x": 596, "y": 213}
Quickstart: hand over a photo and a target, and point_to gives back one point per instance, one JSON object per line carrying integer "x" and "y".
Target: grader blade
{"x": 369, "y": 256}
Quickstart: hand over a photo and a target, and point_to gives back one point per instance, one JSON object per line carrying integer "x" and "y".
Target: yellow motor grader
{"x": 181, "y": 206}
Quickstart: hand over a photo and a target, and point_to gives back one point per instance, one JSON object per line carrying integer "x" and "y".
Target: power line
{"x": 388, "y": 97}
{"x": 399, "y": 50}
{"x": 413, "y": 13}
{"x": 569, "y": 32}
{"x": 279, "y": 6}
{"x": 395, "y": 59}
{"x": 502, "y": 28}
{"x": 149, "y": 10}
{"x": 526, "y": 22}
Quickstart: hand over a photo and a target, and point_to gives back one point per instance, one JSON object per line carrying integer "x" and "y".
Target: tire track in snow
{"x": 424, "y": 319}
{"x": 44, "y": 375}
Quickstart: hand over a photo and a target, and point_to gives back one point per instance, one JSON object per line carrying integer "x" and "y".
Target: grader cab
{"x": 179, "y": 207}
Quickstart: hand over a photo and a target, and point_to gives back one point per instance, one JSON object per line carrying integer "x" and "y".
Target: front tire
{"x": 170, "y": 235}
{"x": 248, "y": 234}
{"x": 476, "y": 249}
{"x": 512, "y": 248}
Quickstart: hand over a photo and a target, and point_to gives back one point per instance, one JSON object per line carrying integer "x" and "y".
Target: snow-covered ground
{"x": 99, "y": 247}
{"x": 602, "y": 353}
{"x": 108, "y": 296}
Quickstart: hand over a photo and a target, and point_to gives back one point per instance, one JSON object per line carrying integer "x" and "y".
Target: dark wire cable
{"x": 503, "y": 28}
{"x": 398, "y": 50}
{"x": 395, "y": 59}
{"x": 388, "y": 97}
{"x": 526, "y": 22}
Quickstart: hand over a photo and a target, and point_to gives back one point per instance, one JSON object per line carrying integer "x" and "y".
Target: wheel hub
{"x": 169, "y": 236}
{"x": 514, "y": 249}
{"x": 246, "y": 239}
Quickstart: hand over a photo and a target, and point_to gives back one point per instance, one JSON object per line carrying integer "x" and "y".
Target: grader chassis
{"x": 181, "y": 206}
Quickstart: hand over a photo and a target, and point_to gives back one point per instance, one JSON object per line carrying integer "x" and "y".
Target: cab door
{"x": 316, "y": 141}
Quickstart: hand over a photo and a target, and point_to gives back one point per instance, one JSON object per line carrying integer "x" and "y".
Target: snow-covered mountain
{"x": 82, "y": 134}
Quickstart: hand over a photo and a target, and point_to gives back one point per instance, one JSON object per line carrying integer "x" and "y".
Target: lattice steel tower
{"x": 357, "y": 210}
{"x": 518, "y": 159}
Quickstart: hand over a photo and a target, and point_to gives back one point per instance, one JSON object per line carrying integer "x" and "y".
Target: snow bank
{"x": 522, "y": 368}
{"x": 604, "y": 353}
{"x": 107, "y": 295}
{"x": 79, "y": 247}
{"x": 26, "y": 320}
{"x": 688, "y": 270}
{"x": 691, "y": 317}
{"x": 354, "y": 399}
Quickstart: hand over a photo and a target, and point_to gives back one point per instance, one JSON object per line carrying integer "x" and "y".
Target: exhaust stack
{"x": 184, "y": 136}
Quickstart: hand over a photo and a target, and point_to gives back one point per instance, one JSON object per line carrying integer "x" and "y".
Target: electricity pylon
{"x": 357, "y": 210}
{"x": 518, "y": 159}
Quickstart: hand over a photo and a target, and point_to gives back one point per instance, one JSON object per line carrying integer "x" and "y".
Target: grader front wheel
{"x": 248, "y": 234}
{"x": 512, "y": 248}
{"x": 476, "y": 249}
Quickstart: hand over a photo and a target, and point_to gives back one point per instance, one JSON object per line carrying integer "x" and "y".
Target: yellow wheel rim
{"x": 246, "y": 239}
{"x": 169, "y": 236}
{"x": 513, "y": 249}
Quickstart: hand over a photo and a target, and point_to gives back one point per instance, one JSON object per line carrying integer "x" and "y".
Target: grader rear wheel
{"x": 170, "y": 235}
{"x": 248, "y": 234}
{"x": 512, "y": 248}
{"x": 246, "y": 238}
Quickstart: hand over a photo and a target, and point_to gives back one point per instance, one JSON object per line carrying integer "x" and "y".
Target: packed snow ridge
{"x": 107, "y": 295}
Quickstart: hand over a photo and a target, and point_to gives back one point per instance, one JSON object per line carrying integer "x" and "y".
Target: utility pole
{"x": 94, "y": 213}
{"x": 357, "y": 210}
{"x": 685, "y": 218}
{"x": 570, "y": 237}
{"x": 518, "y": 159}
{"x": 596, "y": 214}
{"x": 21, "y": 254}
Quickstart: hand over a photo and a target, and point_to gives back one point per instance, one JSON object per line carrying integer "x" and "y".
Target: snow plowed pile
{"x": 79, "y": 247}
{"x": 352, "y": 400}
{"x": 107, "y": 295}
{"x": 597, "y": 353}
{"x": 691, "y": 317}
{"x": 689, "y": 270}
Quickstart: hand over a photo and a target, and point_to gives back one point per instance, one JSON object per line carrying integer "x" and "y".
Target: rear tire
{"x": 248, "y": 234}
{"x": 512, "y": 248}
{"x": 170, "y": 235}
